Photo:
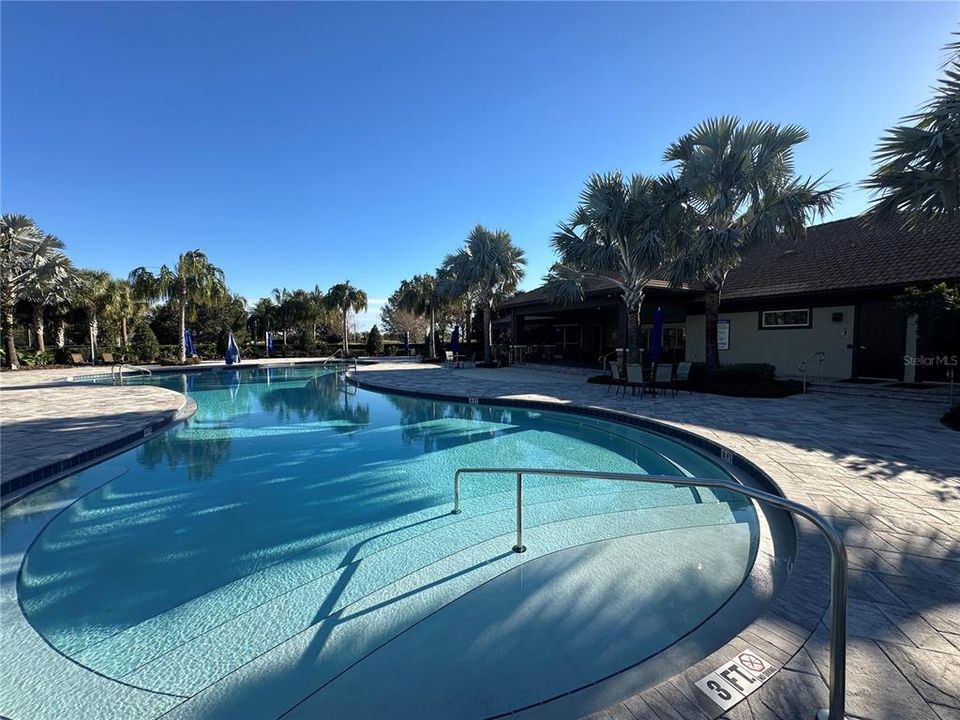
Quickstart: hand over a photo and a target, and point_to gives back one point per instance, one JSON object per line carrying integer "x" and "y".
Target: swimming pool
{"x": 289, "y": 551}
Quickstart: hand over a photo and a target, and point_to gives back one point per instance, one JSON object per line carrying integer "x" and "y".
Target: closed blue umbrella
{"x": 455, "y": 339}
{"x": 656, "y": 337}
{"x": 188, "y": 343}
{"x": 233, "y": 351}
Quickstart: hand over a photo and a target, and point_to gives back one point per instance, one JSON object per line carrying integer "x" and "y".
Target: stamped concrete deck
{"x": 886, "y": 473}
{"x": 58, "y": 427}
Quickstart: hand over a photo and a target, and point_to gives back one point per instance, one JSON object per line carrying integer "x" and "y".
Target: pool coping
{"x": 19, "y": 487}
{"x": 796, "y": 611}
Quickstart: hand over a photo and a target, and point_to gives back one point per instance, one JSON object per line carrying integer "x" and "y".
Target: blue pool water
{"x": 290, "y": 551}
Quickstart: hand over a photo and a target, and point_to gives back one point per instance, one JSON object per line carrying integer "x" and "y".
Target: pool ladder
{"x": 116, "y": 370}
{"x": 333, "y": 358}
{"x": 838, "y": 565}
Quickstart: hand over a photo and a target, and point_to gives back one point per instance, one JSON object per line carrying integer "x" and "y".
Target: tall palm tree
{"x": 344, "y": 298}
{"x": 918, "y": 163}
{"x": 421, "y": 295}
{"x": 24, "y": 253}
{"x": 192, "y": 281}
{"x": 280, "y": 297}
{"x": 122, "y": 307}
{"x": 459, "y": 299}
{"x": 262, "y": 317}
{"x": 736, "y": 188}
{"x": 490, "y": 265}
{"x": 52, "y": 285}
{"x": 93, "y": 296}
{"x": 618, "y": 233}
{"x": 318, "y": 310}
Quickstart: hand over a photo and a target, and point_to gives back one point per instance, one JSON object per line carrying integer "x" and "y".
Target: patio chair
{"x": 661, "y": 376}
{"x": 617, "y": 379}
{"x": 448, "y": 359}
{"x": 77, "y": 359}
{"x": 107, "y": 358}
{"x": 635, "y": 378}
{"x": 681, "y": 377}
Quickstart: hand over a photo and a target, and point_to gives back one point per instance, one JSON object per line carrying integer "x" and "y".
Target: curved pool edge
{"x": 21, "y": 486}
{"x": 782, "y": 615}
{"x": 781, "y": 631}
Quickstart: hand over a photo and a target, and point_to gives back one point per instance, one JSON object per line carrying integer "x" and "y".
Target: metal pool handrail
{"x": 838, "y": 565}
{"x": 802, "y": 367}
{"x": 117, "y": 368}
{"x": 330, "y": 357}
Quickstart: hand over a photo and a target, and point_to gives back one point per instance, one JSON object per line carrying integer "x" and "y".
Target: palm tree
{"x": 262, "y": 317}
{"x": 421, "y": 295}
{"x": 24, "y": 252}
{"x": 618, "y": 233}
{"x": 736, "y": 188}
{"x": 53, "y": 285}
{"x": 490, "y": 265}
{"x": 192, "y": 281}
{"x": 918, "y": 163}
{"x": 317, "y": 309}
{"x": 93, "y": 296}
{"x": 280, "y": 297}
{"x": 122, "y": 307}
{"x": 344, "y": 297}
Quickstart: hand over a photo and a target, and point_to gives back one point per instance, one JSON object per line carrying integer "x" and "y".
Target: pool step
{"x": 276, "y": 681}
{"x": 467, "y": 549}
{"x": 404, "y": 545}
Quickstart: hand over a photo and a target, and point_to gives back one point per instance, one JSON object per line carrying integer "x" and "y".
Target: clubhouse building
{"x": 833, "y": 291}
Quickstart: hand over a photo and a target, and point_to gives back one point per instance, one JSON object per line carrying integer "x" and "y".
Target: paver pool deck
{"x": 885, "y": 472}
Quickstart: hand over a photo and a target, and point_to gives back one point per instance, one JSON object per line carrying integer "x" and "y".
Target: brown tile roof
{"x": 835, "y": 256}
{"x": 846, "y": 255}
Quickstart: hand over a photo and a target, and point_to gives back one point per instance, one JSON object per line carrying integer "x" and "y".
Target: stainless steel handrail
{"x": 802, "y": 367}
{"x": 838, "y": 565}
{"x": 331, "y": 357}
{"x": 117, "y": 368}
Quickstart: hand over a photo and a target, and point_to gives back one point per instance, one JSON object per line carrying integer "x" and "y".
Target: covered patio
{"x": 582, "y": 335}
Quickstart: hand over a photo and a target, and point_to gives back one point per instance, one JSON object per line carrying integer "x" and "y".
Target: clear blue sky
{"x": 304, "y": 143}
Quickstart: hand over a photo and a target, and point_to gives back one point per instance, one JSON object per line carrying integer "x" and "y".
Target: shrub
{"x": 144, "y": 343}
{"x": 736, "y": 373}
{"x": 374, "y": 341}
{"x": 305, "y": 343}
{"x": 951, "y": 418}
{"x": 35, "y": 358}
{"x": 599, "y": 379}
{"x": 207, "y": 350}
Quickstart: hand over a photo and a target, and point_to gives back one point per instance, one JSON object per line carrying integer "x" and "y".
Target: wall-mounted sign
{"x": 723, "y": 334}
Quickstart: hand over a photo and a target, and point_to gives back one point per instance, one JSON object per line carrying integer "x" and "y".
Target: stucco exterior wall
{"x": 784, "y": 348}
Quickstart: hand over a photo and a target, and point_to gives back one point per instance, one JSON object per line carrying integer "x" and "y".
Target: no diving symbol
{"x": 735, "y": 679}
{"x": 752, "y": 662}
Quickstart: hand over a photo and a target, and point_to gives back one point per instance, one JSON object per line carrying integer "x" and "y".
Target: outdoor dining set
{"x": 665, "y": 377}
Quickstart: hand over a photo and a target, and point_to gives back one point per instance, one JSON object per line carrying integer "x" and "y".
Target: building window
{"x": 775, "y": 319}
